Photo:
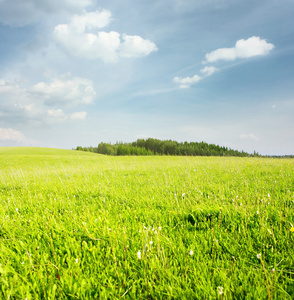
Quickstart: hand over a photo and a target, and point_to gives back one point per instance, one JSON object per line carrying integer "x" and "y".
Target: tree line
{"x": 152, "y": 146}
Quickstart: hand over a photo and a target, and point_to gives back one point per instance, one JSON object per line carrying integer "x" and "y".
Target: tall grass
{"x": 77, "y": 225}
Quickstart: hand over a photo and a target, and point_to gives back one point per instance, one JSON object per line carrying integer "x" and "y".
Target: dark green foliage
{"x": 164, "y": 147}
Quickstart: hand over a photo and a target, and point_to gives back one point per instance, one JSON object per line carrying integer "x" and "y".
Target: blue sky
{"x": 79, "y": 72}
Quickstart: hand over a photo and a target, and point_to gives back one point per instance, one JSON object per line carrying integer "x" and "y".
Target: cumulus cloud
{"x": 253, "y": 46}
{"x": 22, "y": 105}
{"x": 207, "y": 71}
{"x": 12, "y": 135}
{"x": 187, "y": 81}
{"x": 23, "y": 12}
{"x": 78, "y": 115}
{"x": 58, "y": 115}
{"x": 78, "y": 39}
{"x": 89, "y": 21}
{"x": 135, "y": 46}
{"x": 69, "y": 92}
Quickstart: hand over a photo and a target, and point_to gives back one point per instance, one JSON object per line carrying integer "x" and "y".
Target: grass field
{"x": 77, "y": 225}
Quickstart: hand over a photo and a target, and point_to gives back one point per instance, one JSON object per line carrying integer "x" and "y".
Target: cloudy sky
{"x": 79, "y": 72}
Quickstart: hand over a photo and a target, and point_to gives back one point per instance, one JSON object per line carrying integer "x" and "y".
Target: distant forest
{"x": 164, "y": 147}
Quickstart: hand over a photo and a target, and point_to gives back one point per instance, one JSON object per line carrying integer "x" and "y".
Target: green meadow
{"x": 78, "y": 225}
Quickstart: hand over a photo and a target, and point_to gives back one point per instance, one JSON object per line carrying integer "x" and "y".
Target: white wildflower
{"x": 151, "y": 242}
{"x": 258, "y": 255}
{"x": 76, "y": 260}
{"x": 191, "y": 252}
{"x": 220, "y": 290}
{"x": 183, "y": 195}
{"x": 139, "y": 254}
{"x": 16, "y": 209}
{"x": 159, "y": 228}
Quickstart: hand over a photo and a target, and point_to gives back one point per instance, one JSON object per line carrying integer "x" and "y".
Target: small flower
{"x": 159, "y": 228}
{"x": 155, "y": 232}
{"x": 292, "y": 229}
{"x": 16, "y": 209}
{"x": 220, "y": 290}
{"x": 22, "y": 263}
{"x": 258, "y": 255}
{"x": 257, "y": 212}
{"x": 151, "y": 242}
{"x": 191, "y": 252}
{"x": 183, "y": 195}
{"x": 76, "y": 260}
{"x": 139, "y": 254}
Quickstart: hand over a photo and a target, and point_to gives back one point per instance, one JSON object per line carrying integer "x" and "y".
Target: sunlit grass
{"x": 77, "y": 225}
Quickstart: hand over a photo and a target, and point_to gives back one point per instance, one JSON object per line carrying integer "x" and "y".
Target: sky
{"x": 80, "y": 72}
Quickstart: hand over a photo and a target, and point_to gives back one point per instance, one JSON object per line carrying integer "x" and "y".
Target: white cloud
{"x": 22, "y": 105}
{"x": 69, "y": 92}
{"x": 78, "y": 115}
{"x": 23, "y": 12}
{"x": 253, "y": 46}
{"x": 135, "y": 46}
{"x": 207, "y": 71}
{"x": 10, "y": 88}
{"x": 89, "y": 21}
{"x": 78, "y": 38}
{"x": 249, "y": 136}
{"x": 9, "y": 134}
{"x": 187, "y": 81}
{"x": 56, "y": 114}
